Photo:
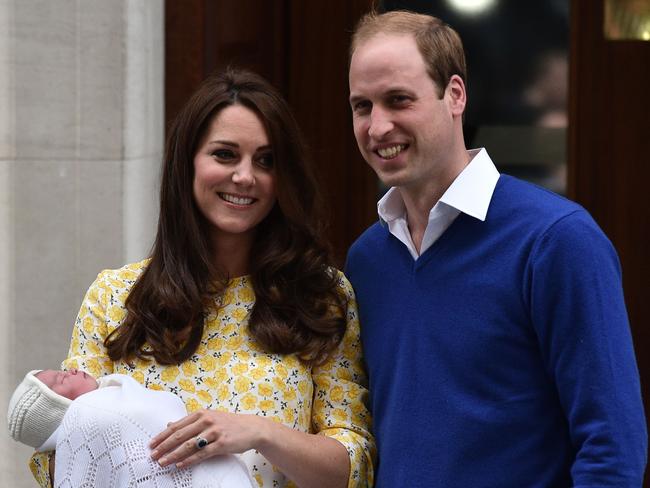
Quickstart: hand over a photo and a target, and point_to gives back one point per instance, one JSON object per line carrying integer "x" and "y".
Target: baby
{"x": 100, "y": 430}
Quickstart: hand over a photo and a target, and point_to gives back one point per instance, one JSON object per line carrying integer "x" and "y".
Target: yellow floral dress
{"x": 230, "y": 372}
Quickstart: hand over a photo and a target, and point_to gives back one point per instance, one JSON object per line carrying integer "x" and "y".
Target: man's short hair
{"x": 439, "y": 44}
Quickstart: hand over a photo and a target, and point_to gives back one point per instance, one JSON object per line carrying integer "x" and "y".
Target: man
{"x": 493, "y": 319}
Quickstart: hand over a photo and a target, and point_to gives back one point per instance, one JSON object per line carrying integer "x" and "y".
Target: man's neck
{"x": 420, "y": 199}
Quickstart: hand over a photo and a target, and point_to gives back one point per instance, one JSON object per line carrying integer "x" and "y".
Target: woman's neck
{"x": 231, "y": 253}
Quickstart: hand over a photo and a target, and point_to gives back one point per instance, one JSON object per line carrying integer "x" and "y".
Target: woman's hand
{"x": 226, "y": 433}
{"x": 307, "y": 459}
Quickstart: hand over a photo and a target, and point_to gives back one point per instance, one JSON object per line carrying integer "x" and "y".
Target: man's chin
{"x": 392, "y": 179}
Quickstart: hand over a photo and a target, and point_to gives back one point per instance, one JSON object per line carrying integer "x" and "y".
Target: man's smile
{"x": 390, "y": 152}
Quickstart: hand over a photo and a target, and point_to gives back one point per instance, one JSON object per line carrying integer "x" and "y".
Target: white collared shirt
{"x": 469, "y": 193}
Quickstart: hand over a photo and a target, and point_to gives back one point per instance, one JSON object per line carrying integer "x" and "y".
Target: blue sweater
{"x": 502, "y": 357}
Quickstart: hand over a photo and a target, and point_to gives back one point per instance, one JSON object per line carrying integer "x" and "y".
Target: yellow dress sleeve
{"x": 87, "y": 351}
{"x": 39, "y": 465}
{"x": 99, "y": 314}
{"x": 341, "y": 396}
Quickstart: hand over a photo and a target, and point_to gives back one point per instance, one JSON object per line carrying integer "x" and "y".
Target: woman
{"x": 237, "y": 310}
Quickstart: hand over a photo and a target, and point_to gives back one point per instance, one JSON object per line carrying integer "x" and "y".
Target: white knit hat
{"x": 35, "y": 411}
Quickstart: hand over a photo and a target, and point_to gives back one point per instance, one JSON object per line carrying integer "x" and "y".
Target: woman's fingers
{"x": 177, "y": 442}
{"x": 187, "y": 450}
{"x": 178, "y": 447}
{"x": 172, "y": 428}
{"x": 199, "y": 453}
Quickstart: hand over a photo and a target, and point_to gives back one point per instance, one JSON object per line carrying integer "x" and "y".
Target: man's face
{"x": 69, "y": 384}
{"x": 404, "y": 129}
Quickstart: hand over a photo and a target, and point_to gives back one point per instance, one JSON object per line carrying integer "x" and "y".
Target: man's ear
{"x": 456, "y": 95}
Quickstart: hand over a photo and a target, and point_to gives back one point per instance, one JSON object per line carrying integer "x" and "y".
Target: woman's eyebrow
{"x": 224, "y": 142}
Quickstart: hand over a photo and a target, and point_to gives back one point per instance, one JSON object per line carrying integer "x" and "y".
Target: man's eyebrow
{"x": 355, "y": 98}
{"x": 398, "y": 89}
{"x": 386, "y": 93}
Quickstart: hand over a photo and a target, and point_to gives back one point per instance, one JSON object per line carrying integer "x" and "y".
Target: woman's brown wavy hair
{"x": 297, "y": 308}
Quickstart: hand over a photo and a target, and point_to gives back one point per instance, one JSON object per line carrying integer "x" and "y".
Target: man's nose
{"x": 380, "y": 124}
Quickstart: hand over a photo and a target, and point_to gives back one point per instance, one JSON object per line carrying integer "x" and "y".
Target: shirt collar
{"x": 470, "y": 193}
{"x": 391, "y": 206}
{"x": 472, "y": 189}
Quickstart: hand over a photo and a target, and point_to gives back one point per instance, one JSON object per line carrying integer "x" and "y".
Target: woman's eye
{"x": 265, "y": 161}
{"x": 223, "y": 154}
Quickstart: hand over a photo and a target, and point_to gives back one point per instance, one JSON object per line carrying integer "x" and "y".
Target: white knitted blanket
{"x": 103, "y": 442}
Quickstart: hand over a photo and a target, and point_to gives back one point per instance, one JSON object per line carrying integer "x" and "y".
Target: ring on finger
{"x": 201, "y": 442}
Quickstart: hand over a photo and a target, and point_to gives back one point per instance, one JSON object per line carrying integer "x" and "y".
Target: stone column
{"x": 81, "y": 137}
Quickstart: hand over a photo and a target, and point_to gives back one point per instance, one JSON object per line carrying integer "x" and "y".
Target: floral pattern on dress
{"x": 230, "y": 372}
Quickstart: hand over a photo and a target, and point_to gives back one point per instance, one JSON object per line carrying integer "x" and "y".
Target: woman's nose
{"x": 243, "y": 174}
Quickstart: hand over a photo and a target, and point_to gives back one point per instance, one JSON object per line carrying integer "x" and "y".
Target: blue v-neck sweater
{"x": 502, "y": 357}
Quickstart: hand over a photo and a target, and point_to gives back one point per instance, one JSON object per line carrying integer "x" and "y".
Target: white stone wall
{"x": 81, "y": 137}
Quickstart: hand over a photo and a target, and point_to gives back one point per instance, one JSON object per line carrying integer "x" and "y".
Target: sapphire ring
{"x": 201, "y": 442}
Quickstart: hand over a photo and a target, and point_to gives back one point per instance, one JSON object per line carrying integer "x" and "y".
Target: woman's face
{"x": 234, "y": 177}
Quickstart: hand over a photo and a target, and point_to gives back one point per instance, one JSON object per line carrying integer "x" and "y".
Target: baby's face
{"x": 69, "y": 384}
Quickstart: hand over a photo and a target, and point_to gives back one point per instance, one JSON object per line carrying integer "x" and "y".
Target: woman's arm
{"x": 307, "y": 459}
{"x": 340, "y": 397}
{"x": 101, "y": 311}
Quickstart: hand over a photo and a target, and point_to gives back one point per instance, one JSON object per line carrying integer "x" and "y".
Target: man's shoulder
{"x": 534, "y": 212}
{"x": 523, "y": 193}
{"x": 526, "y": 202}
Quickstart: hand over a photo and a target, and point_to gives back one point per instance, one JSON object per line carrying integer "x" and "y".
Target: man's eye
{"x": 362, "y": 106}
{"x": 398, "y": 99}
